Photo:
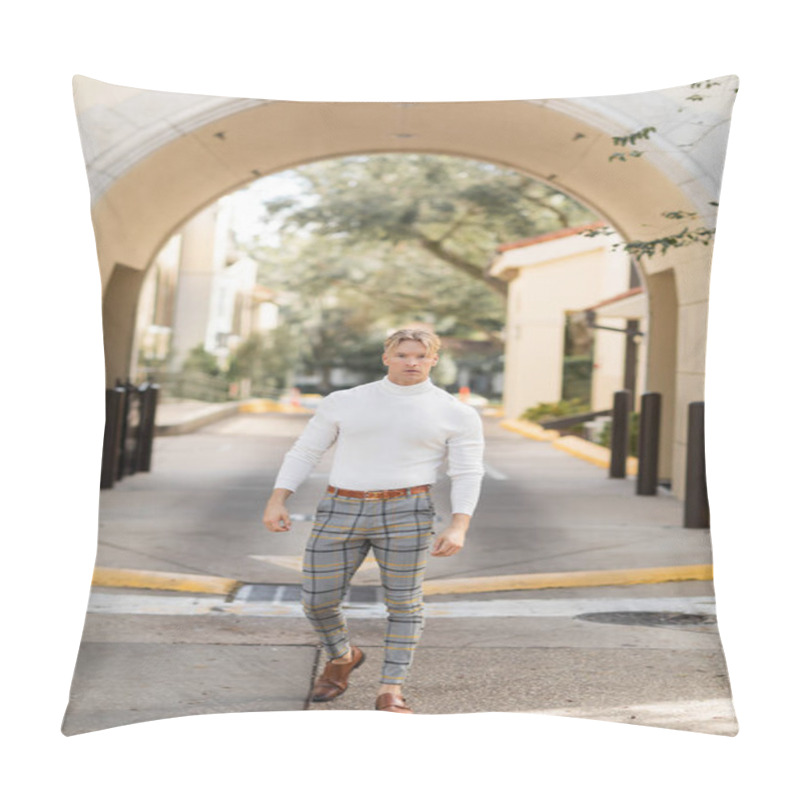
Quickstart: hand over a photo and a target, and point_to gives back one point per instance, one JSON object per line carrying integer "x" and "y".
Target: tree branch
{"x": 436, "y": 249}
{"x": 405, "y": 302}
{"x": 562, "y": 217}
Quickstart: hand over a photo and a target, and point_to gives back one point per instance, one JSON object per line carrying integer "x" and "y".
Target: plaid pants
{"x": 399, "y": 531}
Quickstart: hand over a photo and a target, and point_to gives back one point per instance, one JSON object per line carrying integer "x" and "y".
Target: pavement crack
{"x": 314, "y": 668}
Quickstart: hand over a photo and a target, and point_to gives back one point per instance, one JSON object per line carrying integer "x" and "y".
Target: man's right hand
{"x": 276, "y": 516}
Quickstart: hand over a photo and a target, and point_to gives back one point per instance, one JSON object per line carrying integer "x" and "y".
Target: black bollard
{"x": 619, "y": 434}
{"x": 695, "y": 509}
{"x": 112, "y": 437}
{"x": 131, "y": 416}
{"x": 649, "y": 429}
{"x": 147, "y": 425}
{"x": 137, "y": 395}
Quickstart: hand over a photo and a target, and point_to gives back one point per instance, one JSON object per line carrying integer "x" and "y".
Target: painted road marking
{"x": 183, "y": 605}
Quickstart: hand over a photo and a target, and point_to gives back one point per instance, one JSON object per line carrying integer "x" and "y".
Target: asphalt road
{"x": 151, "y": 655}
{"x": 541, "y": 510}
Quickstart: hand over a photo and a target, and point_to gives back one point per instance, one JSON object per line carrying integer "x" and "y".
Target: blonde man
{"x": 391, "y": 437}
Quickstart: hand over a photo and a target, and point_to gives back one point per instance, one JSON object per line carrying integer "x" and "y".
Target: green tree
{"x": 403, "y": 238}
{"x": 266, "y": 359}
{"x": 199, "y": 360}
{"x": 453, "y": 210}
{"x": 345, "y": 338}
{"x": 390, "y": 284}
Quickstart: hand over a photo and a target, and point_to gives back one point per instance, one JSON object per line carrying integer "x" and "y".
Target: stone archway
{"x": 155, "y": 159}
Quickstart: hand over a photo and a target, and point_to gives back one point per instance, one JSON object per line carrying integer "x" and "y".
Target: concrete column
{"x": 119, "y": 321}
{"x": 662, "y": 334}
{"x": 195, "y": 283}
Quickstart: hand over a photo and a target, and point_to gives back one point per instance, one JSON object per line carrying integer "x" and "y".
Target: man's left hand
{"x": 449, "y": 542}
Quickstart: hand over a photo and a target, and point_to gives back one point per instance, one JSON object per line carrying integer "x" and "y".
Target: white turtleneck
{"x": 390, "y": 436}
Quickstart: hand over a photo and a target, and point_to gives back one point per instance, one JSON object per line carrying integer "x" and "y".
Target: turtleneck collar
{"x": 398, "y": 389}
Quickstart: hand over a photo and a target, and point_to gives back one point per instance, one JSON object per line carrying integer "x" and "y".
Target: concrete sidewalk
{"x": 175, "y": 416}
{"x": 643, "y": 653}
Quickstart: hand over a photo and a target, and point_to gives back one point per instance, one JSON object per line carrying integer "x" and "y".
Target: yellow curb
{"x": 211, "y": 584}
{"x": 574, "y": 445}
{"x": 562, "y": 580}
{"x": 594, "y": 453}
{"x": 172, "y": 581}
{"x": 529, "y": 429}
{"x": 261, "y": 406}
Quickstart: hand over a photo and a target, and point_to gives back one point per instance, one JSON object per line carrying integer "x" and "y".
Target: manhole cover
{"x": 659, "y": 619}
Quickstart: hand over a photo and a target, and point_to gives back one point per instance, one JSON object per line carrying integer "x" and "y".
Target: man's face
{"x": 408, "y": 363}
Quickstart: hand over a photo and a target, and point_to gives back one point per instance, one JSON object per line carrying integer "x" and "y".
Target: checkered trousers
{"x": 399, "y": 531}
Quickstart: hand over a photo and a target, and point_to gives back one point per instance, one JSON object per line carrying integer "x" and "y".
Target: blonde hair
{"x": 428, "y": 338}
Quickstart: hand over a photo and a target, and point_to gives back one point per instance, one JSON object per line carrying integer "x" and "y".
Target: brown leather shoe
{"x": 333, "y": 680}
{"x": 392, "y": 702}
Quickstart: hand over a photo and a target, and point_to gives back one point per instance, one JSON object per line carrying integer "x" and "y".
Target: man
{"x": 391, "y": 436}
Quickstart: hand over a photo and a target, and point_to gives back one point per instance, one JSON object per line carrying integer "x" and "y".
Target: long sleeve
{"x": 319, "y": 435}
{"x": 465, "y": 465}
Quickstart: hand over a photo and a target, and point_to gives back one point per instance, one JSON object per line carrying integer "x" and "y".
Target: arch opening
{"x": 567, "y": 143}
{"x": 481, "y": 359}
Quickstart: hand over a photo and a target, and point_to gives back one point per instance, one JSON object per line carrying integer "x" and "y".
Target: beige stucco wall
{"x": 155, "y": 159}
{"x": 608, "y": 375}
{"x": 194, "y": 292}
{"x": 545, "y": 281}
{"x": 154, "y": 315}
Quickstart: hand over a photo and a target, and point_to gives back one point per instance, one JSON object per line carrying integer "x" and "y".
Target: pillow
{"x": 254, "y": 256}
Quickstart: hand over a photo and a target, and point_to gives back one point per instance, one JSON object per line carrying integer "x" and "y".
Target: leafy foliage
{"x": 685, "y": 238}
{"x": 632, "y": 138}
{"x": 454, "y": 210}
{"x": 544, "y": 412}
{"x": 375, "y": 242}
{"x": 198, "y": 360}
{"x": 625, "y": 156}
{"x": 265, "y": 358}
{"x": 697, "y": 98}
{"x": 662, "y": 244}
{"x": 701, "y": 235}
{"x": 633, "y": 434}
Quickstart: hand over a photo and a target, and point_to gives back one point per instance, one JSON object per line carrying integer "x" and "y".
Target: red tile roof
{"x": 548, "y": 237}
{"x": 622, "y": 296}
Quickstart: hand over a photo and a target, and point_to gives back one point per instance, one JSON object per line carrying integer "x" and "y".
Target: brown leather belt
{"x": 380, "y": 495}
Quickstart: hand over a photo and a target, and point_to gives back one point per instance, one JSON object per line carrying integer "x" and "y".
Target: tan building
{"x": 200, "y": 291}
{"x": 613, "y": 316}
{"x": 550, "y": 277}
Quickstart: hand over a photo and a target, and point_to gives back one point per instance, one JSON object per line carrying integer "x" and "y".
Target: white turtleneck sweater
{"x": 390, "y": 436}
